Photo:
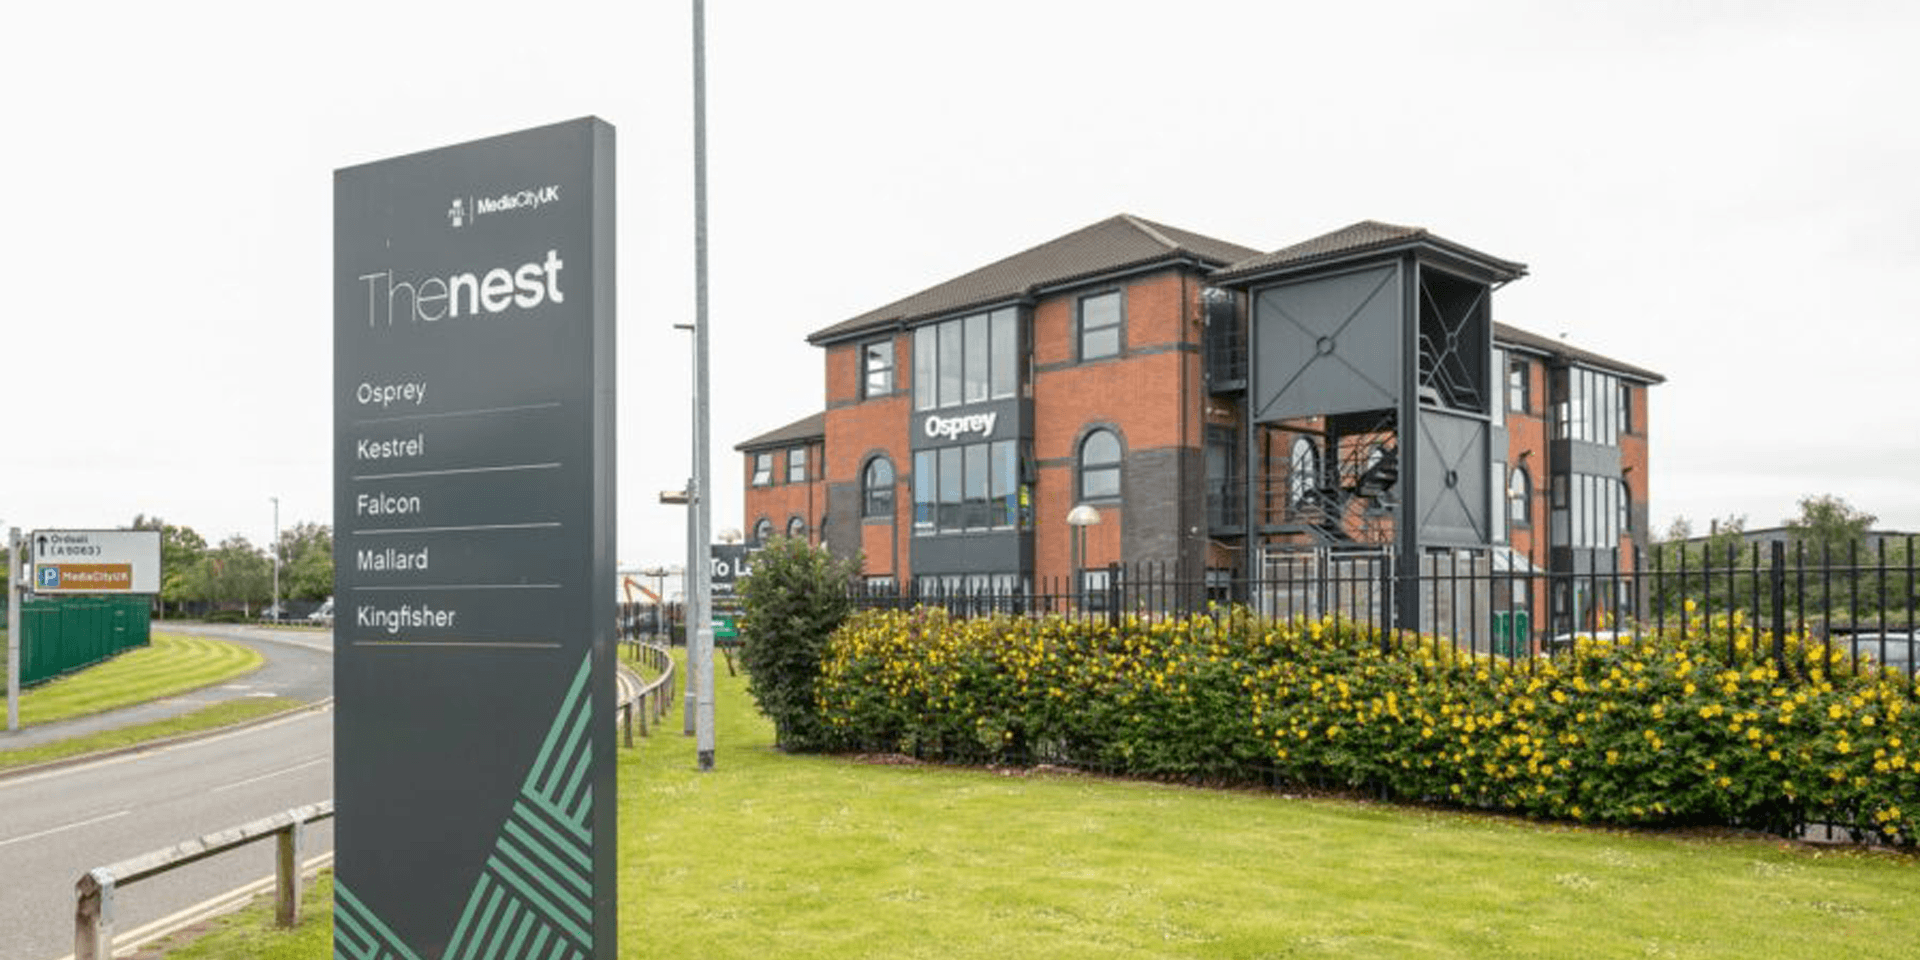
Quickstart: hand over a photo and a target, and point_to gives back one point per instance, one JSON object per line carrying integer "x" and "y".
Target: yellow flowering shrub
{"x": 1694, "y": 727}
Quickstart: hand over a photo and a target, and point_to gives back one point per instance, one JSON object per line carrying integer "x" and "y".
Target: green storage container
{"x": 1512, "y": 633}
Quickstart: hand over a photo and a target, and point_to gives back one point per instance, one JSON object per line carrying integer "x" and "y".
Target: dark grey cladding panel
{"x": 1003, "y": 551}
{"x": 969, "y": 423}
{"x": 843, "y": 519}
{"x": 1591, "y": 458}
{"x": 1328, "y": 345}
{"x": 1158, "y": 504}
{"x": 1453, "y": 469}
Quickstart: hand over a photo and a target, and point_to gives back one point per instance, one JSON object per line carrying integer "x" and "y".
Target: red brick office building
{"x": 1142, "y": 369}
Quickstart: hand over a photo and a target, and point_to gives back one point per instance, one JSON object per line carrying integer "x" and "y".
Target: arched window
{"x": 1626, "y": 509}
{"x": 1519, "y": 497}
{"x": 797, "y": 528}
{"x": 1100, "y": 466}
{"x": 876, "y": 486}
{"x": 1303, "y": 470}
{"x": 763, "y": 531}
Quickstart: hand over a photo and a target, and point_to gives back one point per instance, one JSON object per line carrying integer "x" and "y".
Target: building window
{"x": 972, "y": 359}
{"x": 797, "y": 465}
{"x": 877, "y": 359}
{"x": 923, "y": 490}
{"x": 1497, "y": 506}
{"x": 1499, "y": 406}
{"x": 1626, "y": 407}
{"x": 876, "y": 486}
{"x": 797, "y": 528}
{"x": 763, "y": 531}
{"x": 1519, "y": 498}
{"x": 1591, "y": 408}
{"x": 1100, "y": 466}
{"x": 1100, "y": 325}
{"x": 971, "y": 487}
{"x": 1517, "y": 385}
{"x": 762, "y": 469}
{"x": 1303, "y": 469}
{"x": 1625, "y": 493}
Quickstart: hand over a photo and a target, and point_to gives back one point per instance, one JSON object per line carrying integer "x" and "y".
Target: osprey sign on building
{"x": 473, "y": 549}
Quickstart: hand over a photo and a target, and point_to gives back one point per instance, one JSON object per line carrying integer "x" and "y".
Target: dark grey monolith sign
{"x": 473, "y": 523}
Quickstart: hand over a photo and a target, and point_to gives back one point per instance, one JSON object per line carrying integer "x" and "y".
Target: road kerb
{"x": 142, "y": 747}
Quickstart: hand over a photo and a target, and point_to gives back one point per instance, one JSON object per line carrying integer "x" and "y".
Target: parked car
{"x": 1895, "y": 650}
{"x": 323, "y": 616}
{"x": 273, "y": 614}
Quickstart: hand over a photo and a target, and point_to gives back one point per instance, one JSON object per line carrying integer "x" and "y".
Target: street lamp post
{"x": 277, "y": 614}
{"x": 1080, "y": 518}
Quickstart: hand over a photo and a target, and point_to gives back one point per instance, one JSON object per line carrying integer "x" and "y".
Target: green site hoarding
{"x": 473, "y": 399}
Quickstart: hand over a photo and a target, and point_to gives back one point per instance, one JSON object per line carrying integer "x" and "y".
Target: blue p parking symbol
{"x": 49, "y": 578}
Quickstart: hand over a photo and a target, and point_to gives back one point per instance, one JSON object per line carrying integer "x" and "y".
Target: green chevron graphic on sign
{"x": 535, "y": 898}
{"x": 360, "y": 935}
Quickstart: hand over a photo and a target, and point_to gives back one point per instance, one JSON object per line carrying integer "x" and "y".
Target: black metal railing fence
{"x": 1500, "y": 603}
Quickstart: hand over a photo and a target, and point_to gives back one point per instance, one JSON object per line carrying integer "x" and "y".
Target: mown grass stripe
{"x": 167, "y": 666}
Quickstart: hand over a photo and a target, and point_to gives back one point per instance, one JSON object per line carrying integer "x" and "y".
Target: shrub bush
{"x": 791, "y": 603}
{"x": 1692, "y": 728}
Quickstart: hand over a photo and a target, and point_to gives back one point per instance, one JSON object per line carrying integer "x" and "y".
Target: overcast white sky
{"x": 1723, "y": 192}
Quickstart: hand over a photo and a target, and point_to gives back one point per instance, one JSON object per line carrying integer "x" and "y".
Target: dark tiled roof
{"x": 1117, "y": 243}
{"x": 1515, "y": 336}
{"x": 1362, "y": 237}
{"x": 812, "y": 427}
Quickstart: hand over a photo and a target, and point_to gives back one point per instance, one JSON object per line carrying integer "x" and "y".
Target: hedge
{"x": 1665, "y": 729}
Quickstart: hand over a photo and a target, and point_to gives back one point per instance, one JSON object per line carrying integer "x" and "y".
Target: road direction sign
{"x": 473, "y": 548}
{"x": 96, "y": 561}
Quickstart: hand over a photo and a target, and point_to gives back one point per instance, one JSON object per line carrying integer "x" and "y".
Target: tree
{"x": 234, "y": 572}
{"x": 793, "y": 600}
{"x": 1829, "y": 527}
{"x": 306, "y": 561}
{"x": 181, "y": 550}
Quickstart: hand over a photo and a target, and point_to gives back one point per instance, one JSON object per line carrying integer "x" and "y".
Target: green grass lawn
{"x": 775, "y": 856}
{"x": 167, "y": 666}
{"x": 205, "y": 718}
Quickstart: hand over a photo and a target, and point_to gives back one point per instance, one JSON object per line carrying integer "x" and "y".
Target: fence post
{"x": 287, "y": 872}
{"x": 1777, "y": 582}
{"x": 626, "y": 722}
{"x": 93, "y": 917}
{"x": 1113, "y": 595}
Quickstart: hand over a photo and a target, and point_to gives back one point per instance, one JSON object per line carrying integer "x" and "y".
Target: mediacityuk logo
{"x": 463, "y": 211}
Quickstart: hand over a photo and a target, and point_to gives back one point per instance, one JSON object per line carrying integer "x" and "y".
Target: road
{"x": 59, "y": 824}
{"x": 55, "y": 826}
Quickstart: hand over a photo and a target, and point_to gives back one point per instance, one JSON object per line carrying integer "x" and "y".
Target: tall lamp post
{"x": 701, "y": 639}
{"x": 277, "y": 614}
{"x": 1080, "y": 518}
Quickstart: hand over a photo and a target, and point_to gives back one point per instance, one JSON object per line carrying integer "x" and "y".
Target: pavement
{"x": 297, "y": 664}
